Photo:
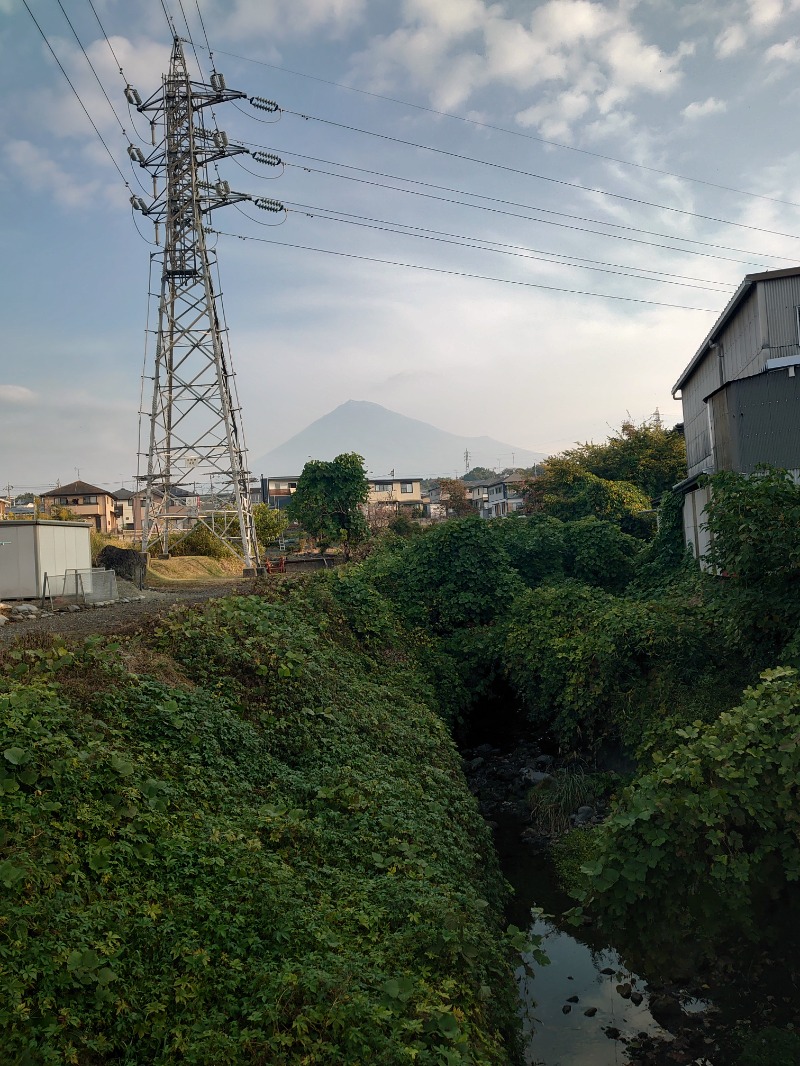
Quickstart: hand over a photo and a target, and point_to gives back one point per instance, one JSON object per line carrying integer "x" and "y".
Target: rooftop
{"x": 729, "y": 310}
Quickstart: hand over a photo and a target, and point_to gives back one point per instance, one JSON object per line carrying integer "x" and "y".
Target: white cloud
{"x": 765, "y": 13}
{"x": 730, "y": 41}
{"x": 287, "y": 18}
{"x": 786, "y": 52}
{"x": 585, "y": 57}
{"x": 16, "y": 394}
{"x": 45, "y": 174}
{"x": 699, "y": 109}
{"x": 554, "y": 118}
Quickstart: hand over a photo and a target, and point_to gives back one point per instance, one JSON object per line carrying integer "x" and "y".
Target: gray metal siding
{"x": 757, "y": 420}
{"x": 741, "y": 341}
{"x": 740, "y": 355}
{"x": 782, "y": 301}
{"x": 695, "y": 416}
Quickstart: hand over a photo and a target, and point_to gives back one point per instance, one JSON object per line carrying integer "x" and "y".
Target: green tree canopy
{"x": 269, "y": 523}
{"x": 647, "y": 455}
{"x": 565, "y": 490}
{"x": 329, "y": 499}
{"x": 479, "y": 473}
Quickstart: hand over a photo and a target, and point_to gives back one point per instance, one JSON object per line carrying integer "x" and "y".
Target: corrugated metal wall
{"x": 741, "y": 341}
{"x": 763, "y": 414}
{"x": 782, "y": 298}
{"x": 742, "y": 356}
{"x": 695, "y": 416}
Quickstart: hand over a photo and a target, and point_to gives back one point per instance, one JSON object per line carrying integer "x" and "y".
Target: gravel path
{"x": 143, "y": 608}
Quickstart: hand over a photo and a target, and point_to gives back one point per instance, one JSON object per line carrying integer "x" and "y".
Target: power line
{"x": 461, "y": 273}
{"x": 91, "y": 67}
{"x": 526, "y": 207}
{"x": 107, "y": 38}
{"x": 539, "y": 177}
{"x": 517, "y": 251}
{"x": 511, "y": 132}
{"x": 77, "y": 95}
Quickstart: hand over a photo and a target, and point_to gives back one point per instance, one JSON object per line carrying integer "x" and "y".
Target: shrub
{"x": 588, "y": 665}
{"x": 200, "y": 541}
{"x": 275, "y": 859}
{"x": 599, "y": 553}
{"x": 455, "y": 575}
{"x": 708, "y": 838}
{"x": 534, "y": 545}
{"x": 755, "y": 526}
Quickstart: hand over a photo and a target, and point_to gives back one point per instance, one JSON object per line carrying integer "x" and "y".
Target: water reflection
{"x": 557, "y": 1038}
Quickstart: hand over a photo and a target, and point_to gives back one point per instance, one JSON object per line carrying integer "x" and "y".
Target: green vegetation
{"x": 245, "y": 841}
{"x": 648, "y": 456}
{"x": 770, "y": 1047}
{"x": 245, "y": 838}
{"x": 269, "y": 523}
{"x": 328, "y": 501}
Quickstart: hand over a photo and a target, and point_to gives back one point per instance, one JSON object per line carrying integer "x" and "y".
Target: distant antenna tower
{"x": 197, "y": 460}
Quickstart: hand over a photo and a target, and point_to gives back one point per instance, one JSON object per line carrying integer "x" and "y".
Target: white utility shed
{"x": 29, "y": 550}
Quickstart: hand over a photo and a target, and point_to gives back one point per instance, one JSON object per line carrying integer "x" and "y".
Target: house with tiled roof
{"x": 87, "y": 502}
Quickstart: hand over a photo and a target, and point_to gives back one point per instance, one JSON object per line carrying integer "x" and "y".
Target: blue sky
{"x": 654, "y": 104}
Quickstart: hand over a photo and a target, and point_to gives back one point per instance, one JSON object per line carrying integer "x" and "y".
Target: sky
{"x": 505, "y": 218}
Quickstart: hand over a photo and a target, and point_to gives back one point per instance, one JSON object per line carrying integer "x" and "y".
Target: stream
{"x": 589, "y": 1006}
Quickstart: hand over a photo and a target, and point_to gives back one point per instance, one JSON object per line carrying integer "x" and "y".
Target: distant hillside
{"x": 388, "y": 441}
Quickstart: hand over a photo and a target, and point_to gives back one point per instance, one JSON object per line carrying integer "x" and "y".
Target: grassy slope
{"x": 268, "y": 855}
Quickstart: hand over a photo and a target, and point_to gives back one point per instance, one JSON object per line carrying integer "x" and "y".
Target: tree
{"x": 648, "y": 456}
{"x": 479, "y": 473}
{"x": 329, "y": 501}
{"x": 25, "y": 497}
{"x": 454, "y": 497}
{"x": 269, "y": 523}
{"x": 565, "y": 490}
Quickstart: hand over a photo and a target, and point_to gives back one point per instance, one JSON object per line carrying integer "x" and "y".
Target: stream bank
{"x": 597, "y": 1006}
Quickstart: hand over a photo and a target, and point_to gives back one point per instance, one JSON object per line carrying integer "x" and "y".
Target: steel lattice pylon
{"x": 197, "y": 460}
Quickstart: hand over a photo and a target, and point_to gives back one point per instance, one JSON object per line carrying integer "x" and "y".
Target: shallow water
{"x": 572, "y": 1039}
{"x": 577, "y": 957}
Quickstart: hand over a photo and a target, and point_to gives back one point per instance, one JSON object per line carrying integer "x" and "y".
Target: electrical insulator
{"x": 138, "y": 204}
{"x": 132, "y": 96}
{"x": 136, "y": 154}
{"x": 220, "y": 139}
{"x": 217, "y": 82}
{"x": 222, "y": 188}
{"x": 264, "y": 105}
{"x": 269, "y": 159}
{"x": 268, "y": 205}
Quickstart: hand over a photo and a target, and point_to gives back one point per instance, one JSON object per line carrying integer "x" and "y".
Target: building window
{"x": 406, "y": 486}
{"x": 90, "y": 499}
{"x": 383, "y": 486}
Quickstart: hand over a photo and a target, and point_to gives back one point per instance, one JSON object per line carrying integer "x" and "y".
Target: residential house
{"x": 87, "y": 502}
{"x": 4, "y": 506}
{"x": 123, "y": 509}
{"x": 277, "y": 491}
{"x": 395, "y": 493}
{"x": 497, "y": 496}
{"x": 183, "y": 508}
{"x": 741, "y": 392}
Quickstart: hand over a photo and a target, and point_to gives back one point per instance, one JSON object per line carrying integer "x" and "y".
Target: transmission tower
{"x": 197, "y": 459}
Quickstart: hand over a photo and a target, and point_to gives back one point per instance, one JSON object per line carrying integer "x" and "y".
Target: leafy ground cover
{"x": 244, "y": 839}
